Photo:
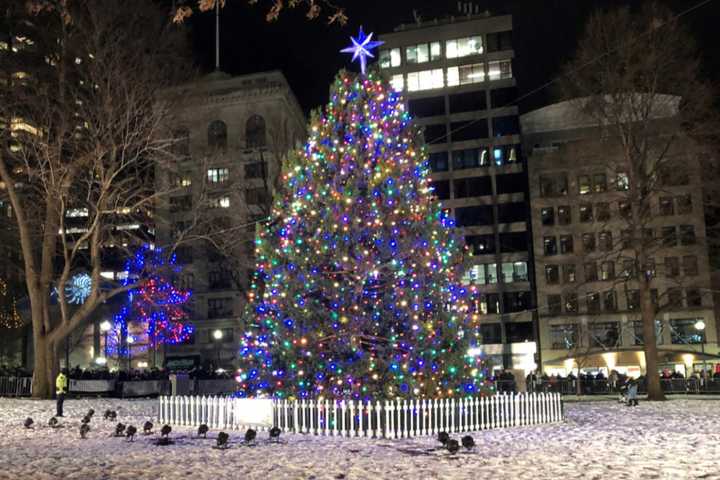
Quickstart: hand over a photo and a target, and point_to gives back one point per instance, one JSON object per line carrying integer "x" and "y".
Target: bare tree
{"x": 83, "y": 136}
{"x": 638, "y": 77}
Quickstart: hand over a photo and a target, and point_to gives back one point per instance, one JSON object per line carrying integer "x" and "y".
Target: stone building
{"x": 587, "y": 290}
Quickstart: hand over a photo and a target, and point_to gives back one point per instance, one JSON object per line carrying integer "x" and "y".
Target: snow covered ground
{"x": 678, "y": 439}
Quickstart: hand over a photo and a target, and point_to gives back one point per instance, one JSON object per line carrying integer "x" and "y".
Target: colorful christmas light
{"x": 357, "y": 293}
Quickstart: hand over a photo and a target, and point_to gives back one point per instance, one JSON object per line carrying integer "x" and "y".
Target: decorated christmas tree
{"x": 357, "y": 293}
{"x": 153, "y": 304}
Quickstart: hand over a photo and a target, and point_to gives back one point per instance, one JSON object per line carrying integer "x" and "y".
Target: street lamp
{"x": 105, "y": 328}
{"x": 700, "y": 327}
{"x": 218, "y": 335}
{"x": 130, "y": 341}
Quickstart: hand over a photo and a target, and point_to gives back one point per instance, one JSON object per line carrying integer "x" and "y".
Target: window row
{"x": 515, "y": 332}
{"x": 490, "y": 273}
{"x": 556, "y": 185}
{"x": 495, "y": 303}
{"x": 480, "y": 215}
{"x": 606, "y": 335}
{"x": 452, "y": 76}
{"x": 481, "y": 157}
{"x": 512, "y": 242}
{"x": 461, "y": 102}
{"x": 217, "y": 135}
{"x": 455, "y": 48}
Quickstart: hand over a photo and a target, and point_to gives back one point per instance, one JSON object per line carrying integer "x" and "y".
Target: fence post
{"x": 378, "y": 417}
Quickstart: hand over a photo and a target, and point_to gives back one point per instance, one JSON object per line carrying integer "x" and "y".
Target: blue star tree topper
{"x": 361, "y": 48}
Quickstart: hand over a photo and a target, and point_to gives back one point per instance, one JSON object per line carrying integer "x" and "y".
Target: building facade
{"x": 232, "y": 134}
{"x": 458, "y": 77}
{"x": 587, "y": 289}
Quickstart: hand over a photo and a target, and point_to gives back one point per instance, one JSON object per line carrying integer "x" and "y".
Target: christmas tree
{"x": 357, "y": 291}
{"x": 153, "y": 303}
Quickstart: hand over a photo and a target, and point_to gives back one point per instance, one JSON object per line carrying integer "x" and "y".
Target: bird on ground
{"x": 147, "y": 428}
{"x": 443, "y": 437}
{"x": 28, "y": 422}
{"x": 85, "y": 419}
{"x": 130, "y": 433}
{"x": 275, "y": 434}
{"x": 165, "y": 430}
{"x": 468, "y": 442}
{"x": 53, "y": 422}
{"x": 119, "y": 430}
{"x": 453, "y": 446}
{"x": 84, "y": 429}
{"x": 250, "y": 435}
{"x": 222, "y": 440}
{"x": 90, "y": 413}
{"x": 106, "y": 415}
{"x": 203, "y": 430}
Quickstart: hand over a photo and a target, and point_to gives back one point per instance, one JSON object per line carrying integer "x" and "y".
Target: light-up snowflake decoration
{"x": 78, "y": 288}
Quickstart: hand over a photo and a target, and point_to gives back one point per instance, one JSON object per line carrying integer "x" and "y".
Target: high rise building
{"x": 232, "y": 135}
{"x": 587, "y": 266}
{"x": 458, "y": 77}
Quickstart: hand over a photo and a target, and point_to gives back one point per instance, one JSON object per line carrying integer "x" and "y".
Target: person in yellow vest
{"x": 61, "y": 387}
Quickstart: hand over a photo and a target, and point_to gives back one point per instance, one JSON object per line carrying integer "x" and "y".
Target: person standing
{"x": 61, "y": 385}
{"x": 632, "y": 393}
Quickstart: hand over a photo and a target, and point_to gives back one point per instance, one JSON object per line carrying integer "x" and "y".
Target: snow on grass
{"x": 678, "y": 439}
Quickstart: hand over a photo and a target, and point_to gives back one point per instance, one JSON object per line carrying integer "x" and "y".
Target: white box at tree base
{"x": 253, "y": 412}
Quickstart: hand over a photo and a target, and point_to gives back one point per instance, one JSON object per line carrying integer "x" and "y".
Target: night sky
{"x": 307, "y": 52}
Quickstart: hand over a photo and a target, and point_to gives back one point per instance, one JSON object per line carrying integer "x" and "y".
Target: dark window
{"x": 607, "y": 270}
{"x": 672, "y": 267}
{"x": 510, "y": 183}
{"x": 472, "y": 187}
{"x": 503, "y": 97}
{"x": 684, "y": 204}
{"x": 564, "y": 215}
{"x": 481, "y": 244}
{"x": 694, "y": 298}
{"x": 690, "y": 265}
{"x": 553, "y": 185}
{"x": 220, "y": 307}
{"x": 513, "y": 242}
{"x": 564, "y": 336}
{"x": 669, "y": 237}
{"x": 569, "y": 273}
{"x": 547, "y": 216}
{"x": 550, "y": 246}
{"x": 625, "y": 239}
{"x": 629, "y": 268}
{"x": 599, "y": 183}
{"x": 604, "y": 334}
{"x": 490, "y": 303}
{"x": 625, "y": 209}
{"x": 470, "y": 130}
{"x": 516, "y": 301}
{"x": 605, "y": 241}
{"x": 602, "y": 212}
{"x": 518, "y": 332}
{"x": 593, "y": 302}
{"x": 633, "y": 300}
{"x": 435, "y": 133}
{"x": 184, "y": 255}
{"x": 219, "y": 280}
{"x": 591, "y": 274}
{"x": 554, "y": 304}
{"x": 511, "y": 212}
{"x": 441, "y": 189}
{"x": 571, "y": 302}
{"x": 257, "y": 196}
{"x": 683, "y": 331}
{"x": 217, "y": 134}
{"x": 427, "y": 107}
{"x": 467, "y": 102}
{"x": 503, "y": 126}
{"x": 674, "y": 297}
{"x": 181, "y": 204}
{"x": 687, "y": 234}
{"x": 490, "y": 333}
{"x": 499, "y": 41}
{"x": 439, "y": 161}
{"x": 468, "y": 158}
{"x": 586, "y": 212}
{"x": 255, "y": 170}
{"x": 666, "y": 206}
{"x": 588, "y": 241}
{"x": 255, "y": 132}
{"x": 181, "y": 137}
{"x": 477, "y": 215}
{"x": 552, "y": 274}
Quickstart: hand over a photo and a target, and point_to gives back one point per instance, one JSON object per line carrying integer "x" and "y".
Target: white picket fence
{"x": 386, "y": 419}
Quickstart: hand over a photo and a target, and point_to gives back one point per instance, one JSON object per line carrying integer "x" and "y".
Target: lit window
{"x": 435, "y": 51}
{"x": 499, "y": 69}
{"x": 76, "y": 212}
{"x": 425, "y": 80}
{"x": 397, "y": 82}
{"x": 423, "y": 52}
{"x": 453, "y": 77}
{"x": 413, "y": 81}
{"x": 463, "y": 47}
{"x": 471, "y": 73}
{"x": 218, "y": 175}
{"x": 390, "y": 58}
{"x": 220, "y": 202}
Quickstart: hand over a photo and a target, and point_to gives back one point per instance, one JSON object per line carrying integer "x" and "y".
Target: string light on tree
{"x": 357, "y": 291}
{"x": 9, "y": 316}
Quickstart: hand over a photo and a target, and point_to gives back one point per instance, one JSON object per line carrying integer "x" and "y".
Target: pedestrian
{"x": 61, "y": 384}
{"x": 632, "y": 393}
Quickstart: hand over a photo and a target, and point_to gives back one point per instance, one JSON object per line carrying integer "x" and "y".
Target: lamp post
{"x": 105, "y": 328}
{"x": 130, "y": 341}
{"x": 700, "y": 327}
{"x": 218, "y": 335}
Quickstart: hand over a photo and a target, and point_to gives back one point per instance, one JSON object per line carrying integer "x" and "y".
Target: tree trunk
{"x": 652, "y": 378}
{"x": 45, "y": 367}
